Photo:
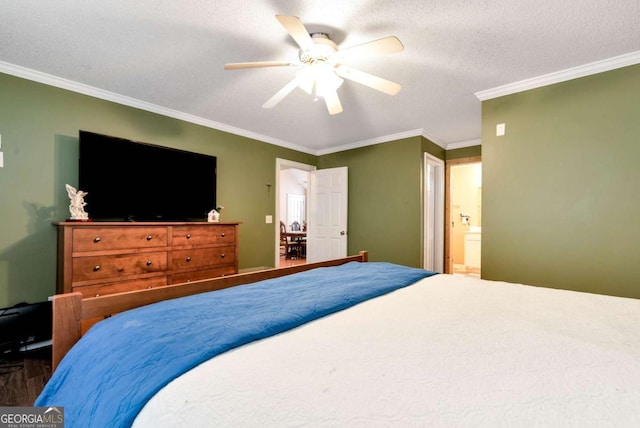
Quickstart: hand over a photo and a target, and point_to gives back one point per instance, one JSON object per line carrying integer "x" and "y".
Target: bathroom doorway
{"x": 464, "y": 216}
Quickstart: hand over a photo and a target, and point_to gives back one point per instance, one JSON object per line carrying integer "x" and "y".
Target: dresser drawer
{"x": 100, "y": 267}
{"x": 114, "y": 257}
{"x": 202, "y": 257}
{"x": 179, "y": 278}
{"x": 107, "y": 238}
{"x": 203, "y": 235}
{"x": 121, "y": 287}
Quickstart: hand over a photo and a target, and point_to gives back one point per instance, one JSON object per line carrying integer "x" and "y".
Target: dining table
{"x": 300, "y": 238}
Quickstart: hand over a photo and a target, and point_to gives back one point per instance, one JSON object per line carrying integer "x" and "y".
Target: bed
{"x": 428, "y": 350}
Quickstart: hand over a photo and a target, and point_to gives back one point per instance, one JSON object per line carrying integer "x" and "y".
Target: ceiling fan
{"x": 321, "y": 69}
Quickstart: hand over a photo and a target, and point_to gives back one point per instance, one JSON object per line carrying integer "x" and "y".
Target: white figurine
{"x": 214, "y": 215}
{"x": 76, "y": 206}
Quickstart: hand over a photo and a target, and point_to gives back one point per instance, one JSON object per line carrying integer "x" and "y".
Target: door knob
{"x": 342, "y": 232}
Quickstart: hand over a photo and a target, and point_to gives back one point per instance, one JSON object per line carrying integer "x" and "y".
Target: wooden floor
{"x": 23, "y": 376}
{"x": 291, "y": 262}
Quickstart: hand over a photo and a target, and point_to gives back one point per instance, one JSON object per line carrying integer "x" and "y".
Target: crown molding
{"x": 399, "y": 136}
{"x": 463, "y": 144}
{"x": 433, "y": 139}
{"x": 58, "y": 82}
{"x": 620, "y": 61}
{"x": 370, "y": 142}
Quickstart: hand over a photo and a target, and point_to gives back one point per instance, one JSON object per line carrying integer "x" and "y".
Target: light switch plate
{"x": 500, "y": 129}
{"x": 1, "y": 160}
{"x": 268, "y": 219}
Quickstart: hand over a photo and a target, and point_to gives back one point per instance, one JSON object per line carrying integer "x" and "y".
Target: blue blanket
{"x": 110, "y": 374}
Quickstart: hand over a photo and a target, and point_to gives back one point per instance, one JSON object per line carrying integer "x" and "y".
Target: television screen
{"x": 133, "y": 181}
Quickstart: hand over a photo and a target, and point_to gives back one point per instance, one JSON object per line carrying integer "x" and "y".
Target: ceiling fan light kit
{"x": 321, "y": 70}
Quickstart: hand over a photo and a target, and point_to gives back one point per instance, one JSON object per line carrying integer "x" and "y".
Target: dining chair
{"x": 288, "y": 247}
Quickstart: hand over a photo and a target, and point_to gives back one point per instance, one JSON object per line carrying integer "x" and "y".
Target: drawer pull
{"x": 98, "y": 295}
{"x": 188, "y": 259}
{"x": 188, "y": 236}
{"x": 96, "y": 268}
{"x": 222, "y": 255}
{"x": 223, "y": 235}
{"x": 96, "y": 239}
{"x": 149, "y": 263}
{"x": 149, "y": 237}
{"x": 149, "y": 287}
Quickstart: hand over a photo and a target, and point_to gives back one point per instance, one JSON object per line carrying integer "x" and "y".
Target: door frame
{"x": 433, "y": 197}
{"x": 448, "y": 265}
{"x": 282, "y": 164}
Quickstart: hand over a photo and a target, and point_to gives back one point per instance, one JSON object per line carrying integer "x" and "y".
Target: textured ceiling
{"x": 170, "y": 54}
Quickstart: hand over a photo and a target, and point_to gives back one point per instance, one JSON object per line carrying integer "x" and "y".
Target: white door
{"x": 327, "y": 227}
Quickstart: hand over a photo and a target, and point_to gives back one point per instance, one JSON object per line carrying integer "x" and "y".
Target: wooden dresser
{"x": 99, "y": 258}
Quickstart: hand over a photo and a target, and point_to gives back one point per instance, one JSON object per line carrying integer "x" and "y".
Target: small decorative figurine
{"x": 76, "y": 206}
{"x": 214, "y": 215}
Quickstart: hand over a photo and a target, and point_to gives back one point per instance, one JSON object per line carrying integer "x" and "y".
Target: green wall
{"x": 39, "y": 126}
{"x": 465, "y": 152}
{"x": 385, "y": 198}
{"x": 560, "y": 190}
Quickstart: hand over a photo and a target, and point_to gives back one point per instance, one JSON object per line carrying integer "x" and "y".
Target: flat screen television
{"x": 133, "y": 181}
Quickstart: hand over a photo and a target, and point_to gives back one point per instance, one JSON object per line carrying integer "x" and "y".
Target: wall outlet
{"x": 1, "y": 160}
{"x": 268, "y": 219}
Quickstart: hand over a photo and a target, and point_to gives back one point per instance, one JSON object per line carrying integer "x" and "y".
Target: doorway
{"x": 292, "y": 192}
{"x": 464, "y": 216}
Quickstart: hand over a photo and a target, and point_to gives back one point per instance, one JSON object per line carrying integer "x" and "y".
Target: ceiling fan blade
{"x": 296, "y": 30}
{"x": 279, "y": 96}
{"x": 333, "y": 102}
{"x": 386, "y": 45}
{"x": 239, "y": 65}
{"x": 366, "y": 79}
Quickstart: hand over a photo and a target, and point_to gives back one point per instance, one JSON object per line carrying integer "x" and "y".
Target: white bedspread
{"x": 449, "y": 351}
